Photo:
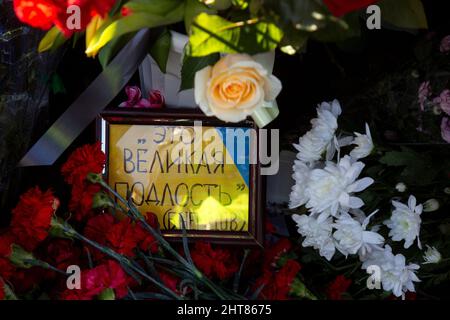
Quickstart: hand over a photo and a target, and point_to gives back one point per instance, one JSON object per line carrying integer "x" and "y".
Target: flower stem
{"x": 121, "y": 259}
{"x": 136, "y": 215}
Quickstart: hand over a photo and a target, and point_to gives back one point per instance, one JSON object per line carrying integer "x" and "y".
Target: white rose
{"x": 235, "y": 87}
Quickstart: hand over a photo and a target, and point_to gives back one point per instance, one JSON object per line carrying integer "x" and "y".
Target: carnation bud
{"x": 94, "y": 178}
{"x": 107, "y": 294}
{"x": 61, "y": 229}
{"x": 430, "y": 205}
{"x": 9, "y": 293}
{"x": 21, "y": 258}
{"x": 401, "y": 187}
{"x": 299, "y": 289}
{"x": 101, "y": 200}
{"x": 56, "y": 204}
{"x": 432, "y": 255}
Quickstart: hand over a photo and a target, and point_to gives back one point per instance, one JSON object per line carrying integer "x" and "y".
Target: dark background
{"x": 348, "y": 72}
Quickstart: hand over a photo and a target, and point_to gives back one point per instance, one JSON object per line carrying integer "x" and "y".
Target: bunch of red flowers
{"x": 103, "y": 278}
{"x": 29, "y": 228}
{"x": 31, "y": 225}
{"x": 123, "y": 236}
{"x": 44, "y": 14}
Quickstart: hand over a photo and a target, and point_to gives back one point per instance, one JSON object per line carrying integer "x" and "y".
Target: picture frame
{"x": 148, "y": 119}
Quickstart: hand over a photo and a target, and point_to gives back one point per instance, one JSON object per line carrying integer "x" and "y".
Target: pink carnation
{"x": 443, "y": 100}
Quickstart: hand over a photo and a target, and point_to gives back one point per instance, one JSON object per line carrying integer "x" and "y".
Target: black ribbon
{"x": 92, "y": 101}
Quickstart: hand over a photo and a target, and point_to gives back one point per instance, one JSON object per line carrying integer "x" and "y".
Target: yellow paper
{"x": 209, "y": 190}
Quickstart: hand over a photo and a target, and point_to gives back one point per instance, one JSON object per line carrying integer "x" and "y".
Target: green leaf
{"x": 294, "y": 42}
{"x": 220, "y": 4}
{"x": 192, "y": 9}
{"x": 161, "y": 48}
{"x": 52, "y": 40}
{"x": 405, "y": 14}
{"x": 108, "y": 52}
{"x": 305, "y": 15}
{"x": 116, "y": 8}
{"x": 397, "y": 158}
{"x": 240, "y": 4}
{"x": 141, "y": 17}
{"x": 419, "y": 168}
{"x": 211, "y": 34}
{"x": 193, "y": 64}
{"x": 156, "y": 7}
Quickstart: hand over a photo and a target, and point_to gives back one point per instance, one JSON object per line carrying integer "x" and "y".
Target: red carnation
{"x": 122, "y": 236}
{"x": 31, "y": 218}
{"x": 220, "y": 263}
{"x": 61, "y": 253}
{"x": 109, "y": 275}
{"x": 6, "y": 267}
{"x": 82, "y": 200}
{"x": 146, "y": 239}
{"x": 25, "y": 280}
{"x": 341, "y": 7}
{"x": 273, "y": 253}
{"x": 84, "y": 160}
{"x": 277, "y": 285}
{"x": 338, "y": 287}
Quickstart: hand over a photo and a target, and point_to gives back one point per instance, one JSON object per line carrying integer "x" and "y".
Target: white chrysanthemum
{"x": 367, "y": 249}
{"x": 396, "y": 276}
{"x": 301, "y": 175}
{"x": 351, "y": 236}
{"x": 364, "y": 144}
{"x": 330, "y": 189}
{"x": 432, "y": 255}
{"x": 405, "y": 222}
{"x": 317, "y": 234}
{"x": 313, "y": 144}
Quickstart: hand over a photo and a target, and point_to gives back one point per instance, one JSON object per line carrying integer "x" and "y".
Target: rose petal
{"x": 272, "y": 88}
{"x": 201, "y": 85}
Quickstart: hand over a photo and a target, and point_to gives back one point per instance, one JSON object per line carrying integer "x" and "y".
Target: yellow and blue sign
{"x": 201, "y": 175}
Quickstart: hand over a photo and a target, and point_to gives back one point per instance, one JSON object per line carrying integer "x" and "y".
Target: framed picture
{"x": 184, "y": 166}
